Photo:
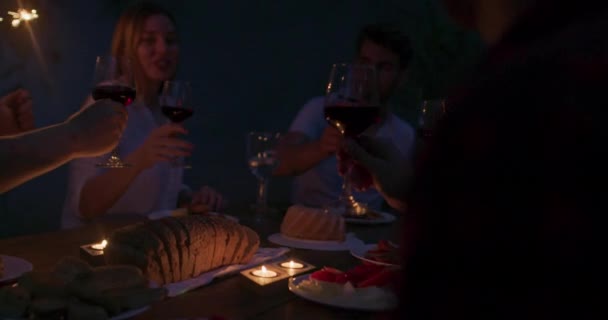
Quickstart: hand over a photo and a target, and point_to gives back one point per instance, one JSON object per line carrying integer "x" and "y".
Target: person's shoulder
{"x": 315, "y": 103}
{"x": 402, "y": 126}
{"x": 312, "y": 109}
{"x": 309, "y": 119}
{"x": 399, "y": 131}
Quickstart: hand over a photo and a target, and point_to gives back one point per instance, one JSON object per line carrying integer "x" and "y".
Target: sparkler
{"x": 22, "y": 15}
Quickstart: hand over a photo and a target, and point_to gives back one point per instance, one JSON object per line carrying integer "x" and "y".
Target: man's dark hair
{"x": 389, "y": 36}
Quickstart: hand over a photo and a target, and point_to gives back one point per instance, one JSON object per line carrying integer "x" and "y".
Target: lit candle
{"x": 292, "y": 265}
{"x": 264, "y": 273}
{"x": 100, "y": 246}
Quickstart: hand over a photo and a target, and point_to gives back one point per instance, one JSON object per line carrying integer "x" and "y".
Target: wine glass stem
{"x": 347, "y": 189}
{"x": 114, "y": 154}
{"x": 262, "y": 192}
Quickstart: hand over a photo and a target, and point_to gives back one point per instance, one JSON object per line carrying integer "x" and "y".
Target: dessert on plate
{"x": 312, "y": 224}
{"x": 365, "y": 285}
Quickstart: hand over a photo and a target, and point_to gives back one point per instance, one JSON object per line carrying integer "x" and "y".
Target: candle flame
{"x": 100, "y": 246}
{"x": 264, "y": 269}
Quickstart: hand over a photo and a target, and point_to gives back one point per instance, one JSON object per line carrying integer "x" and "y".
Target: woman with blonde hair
{"x": 146, "y": 34}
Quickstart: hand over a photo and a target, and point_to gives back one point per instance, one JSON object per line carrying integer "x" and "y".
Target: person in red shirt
{"x": 506, "y": 214}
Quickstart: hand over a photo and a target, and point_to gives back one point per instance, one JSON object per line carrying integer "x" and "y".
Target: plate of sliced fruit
{"x": 384, "y": 253}
{"x": 364, "y": 287}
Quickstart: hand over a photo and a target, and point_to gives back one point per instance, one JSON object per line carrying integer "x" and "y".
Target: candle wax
{"x": 264, "y": 273}
{"x": 292, "y": 265}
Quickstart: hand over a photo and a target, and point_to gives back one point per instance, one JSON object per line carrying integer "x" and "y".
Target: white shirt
{"x": 322, "y": 185}
{"x": 155, "y": 188}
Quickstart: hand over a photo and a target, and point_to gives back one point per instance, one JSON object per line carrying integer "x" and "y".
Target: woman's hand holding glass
{"x": 162, "y": 145}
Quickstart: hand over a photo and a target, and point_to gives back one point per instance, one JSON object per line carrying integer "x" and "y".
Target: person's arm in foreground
{"x": 92, "y": 131}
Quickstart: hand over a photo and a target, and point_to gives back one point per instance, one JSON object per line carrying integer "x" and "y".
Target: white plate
{"x": 122, "y": 316}
{"x": 130, "y": 313}
{"x": 387, "y": 301}
{"x": 349, "y": 242}
{"x": 181, "y": 212}
{"x": 385, "y": 217}
{"x": 125, "y": 315}
{"x": 361, "y": 251}
{"x": 14, "y": 267}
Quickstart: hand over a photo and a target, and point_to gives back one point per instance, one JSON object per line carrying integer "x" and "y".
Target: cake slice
{"x": 312, "y": 224}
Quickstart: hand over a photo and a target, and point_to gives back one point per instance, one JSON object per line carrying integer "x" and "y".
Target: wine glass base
{"x": 257, "y": 209}
{"x": 348, "y": 207}
{"x": 113, "y": 165}
{"x": 180, "y": 163}
{"x": 183, "y": 166}
{"x": 114, "y": 162}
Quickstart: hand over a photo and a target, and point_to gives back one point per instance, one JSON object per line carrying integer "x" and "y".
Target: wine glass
{"x": 431, "y": 112}
{"x": 113, "y": 79}
{"x": 352, "y": 105}
{"x": 176, "y": 104}
{"x": 262, "y": 160}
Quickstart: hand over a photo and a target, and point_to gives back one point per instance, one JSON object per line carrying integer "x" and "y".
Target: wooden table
{"x": 234, "y": 296}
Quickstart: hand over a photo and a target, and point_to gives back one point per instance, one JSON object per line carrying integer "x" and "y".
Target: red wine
{"x": 118, "y": 93}
{"x": 352, "y": 121}
{"x": 176, "y": 114}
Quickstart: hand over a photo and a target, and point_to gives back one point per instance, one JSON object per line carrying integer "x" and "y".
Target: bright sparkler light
{"x": 22, "y": 15}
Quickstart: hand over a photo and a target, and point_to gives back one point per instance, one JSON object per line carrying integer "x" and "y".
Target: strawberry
{"x": 362, "y": 272}
{"x": 322, "y": 276}
{"x": 341, "y": 278}
{"x": 329, "y": 274}
{"x": 379, "y": 279}
{"x": 384, "y": 245}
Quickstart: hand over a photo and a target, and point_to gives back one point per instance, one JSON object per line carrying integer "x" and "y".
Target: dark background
{"x": 252, "y": 64}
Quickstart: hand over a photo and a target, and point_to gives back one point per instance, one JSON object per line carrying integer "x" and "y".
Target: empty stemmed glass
{"x": 262, "y": 160}
{"x": 352, "y": 105}
{"x": 431, "y": 112}
{"x": 113, "y": 79}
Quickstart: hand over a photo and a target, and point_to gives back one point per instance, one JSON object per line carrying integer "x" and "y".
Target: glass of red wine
{"x": 113, "y": 79}
{"x": 352, "y": 105}
{"x": 431, "y": 112}
{"x": 176, "y": 104}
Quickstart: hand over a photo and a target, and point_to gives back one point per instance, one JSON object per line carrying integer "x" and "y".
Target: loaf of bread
{"x": 174, "y": 249}
{"x": 312, "y": 224}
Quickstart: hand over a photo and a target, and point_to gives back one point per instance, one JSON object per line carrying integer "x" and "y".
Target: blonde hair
{"x": 128, "y": 30}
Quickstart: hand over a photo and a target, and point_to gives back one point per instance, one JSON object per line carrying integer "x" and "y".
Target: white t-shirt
{"x": 322, "y": 185}
{"x": 155, "y": 188}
